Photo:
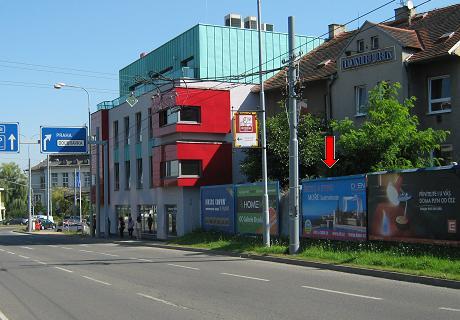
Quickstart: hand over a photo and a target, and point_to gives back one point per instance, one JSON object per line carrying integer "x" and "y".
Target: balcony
{"x": 183, "y": 73}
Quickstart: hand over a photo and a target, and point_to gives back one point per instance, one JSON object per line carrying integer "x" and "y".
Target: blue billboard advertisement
{"x": 334, "y": 208}
{"x": 217, "y": 208}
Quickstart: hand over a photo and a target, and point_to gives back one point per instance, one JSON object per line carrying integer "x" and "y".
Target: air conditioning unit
{"x": 267, "y": 27}
{"x": 250, "y": 22}
{"x": 233, "y": 20}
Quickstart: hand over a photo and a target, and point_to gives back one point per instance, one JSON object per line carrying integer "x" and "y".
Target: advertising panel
{"x": 415, "y": 206}
{"x": 217, "y": 208}
{"x": 334, "y": 208}
{"x": 245, "y": 130}
{"x": 249, "y": 199}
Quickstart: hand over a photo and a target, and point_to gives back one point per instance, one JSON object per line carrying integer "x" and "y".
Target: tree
{"x": 15, "y": 184}
{"x": 388, "y": 139}
{"x": 61, "y": 203}
{"x": 311, "y": 139}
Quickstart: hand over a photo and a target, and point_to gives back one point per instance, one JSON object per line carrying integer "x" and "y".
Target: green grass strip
{"x": 417, "y": 259}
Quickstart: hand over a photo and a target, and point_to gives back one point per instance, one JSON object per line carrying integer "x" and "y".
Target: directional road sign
{"x": 63, "y": 139}
{"x": 9, "y": 137}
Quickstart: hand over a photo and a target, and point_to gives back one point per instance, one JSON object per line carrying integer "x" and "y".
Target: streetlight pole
{"x": 60, "y": 85}
{"x": 265, "y": 215}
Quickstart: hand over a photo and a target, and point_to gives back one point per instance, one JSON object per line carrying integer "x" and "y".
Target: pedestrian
{"x": 150, "y": 223}
{"x": 130, "y": 226}
{"x": 138, "y": 226}
{"x": 122, "y": 225}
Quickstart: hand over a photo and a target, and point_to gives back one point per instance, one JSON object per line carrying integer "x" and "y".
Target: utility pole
{"x": 265, "y": 214}
{"x": 79, "y": 190}
{"x": 29, "y": 200}
{"x": 75, "y": 191}
{"x": 293, "y": 146}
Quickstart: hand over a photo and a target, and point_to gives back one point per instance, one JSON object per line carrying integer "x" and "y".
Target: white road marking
{"x": 344, "y": 293}
{"x": 2, "y": 250}
{"x": 449, "y": 309}
{"x": 162, "y": 301}
{"x": 179, "y": 266}
{"x": 63, "y": 269}
{"x": 98, "y": 281}
{"x": 2, "y": 316}
{"x": 10, "y": 252}
{"x": 83, "y": 245}
{"x": 40, "y": 262}
{"x": 25, "y": 257}
{"x": 108, "y": 254}
{"x": 88, "y": 251}
{"x": 28, "y": 248}
{"x": 66, "y": 248}
{"x": 245, "y": 277}
{"x": 53, "y": 246}
{"x": 145, "y": 260}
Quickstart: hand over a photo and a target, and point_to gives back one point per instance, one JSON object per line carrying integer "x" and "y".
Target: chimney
{"x": 336, "y": 29}
{"x": 406, "y": 12}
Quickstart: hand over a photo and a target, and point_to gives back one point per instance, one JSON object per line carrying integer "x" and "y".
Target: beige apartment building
{"x": 421, "y": 51}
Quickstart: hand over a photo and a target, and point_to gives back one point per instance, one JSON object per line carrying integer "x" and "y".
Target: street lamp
{"x": 60, "y": 85}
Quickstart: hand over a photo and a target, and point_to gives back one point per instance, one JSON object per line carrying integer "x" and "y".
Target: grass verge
{"x": 416, "y": 259}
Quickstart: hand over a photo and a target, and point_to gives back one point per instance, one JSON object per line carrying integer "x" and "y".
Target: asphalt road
{"x": 59, "y": 277}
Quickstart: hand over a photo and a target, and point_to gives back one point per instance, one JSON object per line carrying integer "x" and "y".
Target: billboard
{"x": 217, "y": 208}
{"x": 334, "y": 208}
{"x": 249, "y": 200}
{"x": 415, "y": 206}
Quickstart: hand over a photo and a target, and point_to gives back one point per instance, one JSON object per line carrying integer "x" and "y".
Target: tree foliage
{"x": 14, "y": 181}
{"x": 61, "y": 203}
{"x": 388, "y": 139}
{"x": 311, "y": 146}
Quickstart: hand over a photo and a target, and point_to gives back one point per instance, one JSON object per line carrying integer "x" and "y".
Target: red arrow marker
{"x": 329, "y": 150}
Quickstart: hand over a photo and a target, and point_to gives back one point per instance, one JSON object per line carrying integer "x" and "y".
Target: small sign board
{"x": 245, "y": 130}
{"x": 63, "y": 140}
{"x": 9, "y": 137}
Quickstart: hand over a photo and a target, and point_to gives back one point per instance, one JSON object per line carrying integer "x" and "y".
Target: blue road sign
{"x": 9, "y": 137}
{"x": 63, "y": 140}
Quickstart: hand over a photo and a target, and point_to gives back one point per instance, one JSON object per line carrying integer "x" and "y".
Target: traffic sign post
{"x": 63, "y": 140}
{"x": 9, "y": 137}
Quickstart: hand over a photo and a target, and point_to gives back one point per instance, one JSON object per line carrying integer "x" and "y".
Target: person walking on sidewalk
{"x": 150, "y": 223}
{"x": 130, "y": 226}
{"x": 122, "y": 225}
{"x": 137, "y": 227}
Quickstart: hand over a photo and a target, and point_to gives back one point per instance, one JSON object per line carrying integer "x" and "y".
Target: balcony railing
{"x": 184, "y": 72}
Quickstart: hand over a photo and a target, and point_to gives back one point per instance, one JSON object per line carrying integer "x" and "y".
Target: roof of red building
{"x": 430, "y": 35}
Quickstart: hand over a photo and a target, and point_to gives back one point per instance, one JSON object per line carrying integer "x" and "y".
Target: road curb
{"x": 326, "y": 266}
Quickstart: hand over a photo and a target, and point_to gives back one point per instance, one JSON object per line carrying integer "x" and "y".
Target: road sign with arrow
{"x": 64, "y": 139}
{"x": 329, "y": 150}
{"x": 9, "y": 137}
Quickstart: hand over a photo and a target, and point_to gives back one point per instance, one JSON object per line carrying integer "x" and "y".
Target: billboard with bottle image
{"x": 415, "y": 205}
{"x": 334, "y": 208}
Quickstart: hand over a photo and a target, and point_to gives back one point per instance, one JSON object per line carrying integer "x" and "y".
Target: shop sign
{"x": 368, "y": 58}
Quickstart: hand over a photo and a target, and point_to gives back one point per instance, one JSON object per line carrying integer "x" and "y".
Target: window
{"x": 151, "y": 171}
{"x": 439, "y": 94}
{"x": 361, "y": 100}
{"x": 126, "y": 122}
{"x": 116, "y": 173}
{"x": 170, "y": 169}
{"x": 190, "y": 168}
{"x": 54, "y": 179}
{"x": 150, "y": 124}
{"x": 115, "y": 134}
{"x": 127, "y": 175}
{"x": 183, "y": 168}
{"x": 138, "y": 127}
{"x": 140, "y": 174}
{"x": 374, "y": 43}
{"x": 87, "y": 179}
{"x": 180, "y": 114}
{"x": 42, "y": 182}
{"x": 65, "y": 180}
{"x": 360, "y": 45}
{"x": 444, "y": 155}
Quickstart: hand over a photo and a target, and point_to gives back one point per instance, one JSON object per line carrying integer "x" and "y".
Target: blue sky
{"x": 102, "y": 36}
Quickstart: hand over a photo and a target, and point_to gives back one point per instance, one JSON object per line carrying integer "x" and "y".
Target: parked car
{"x": 72, "y": 226}
{"x": 15, "y": 221}
{"x": 46, "y": 224}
